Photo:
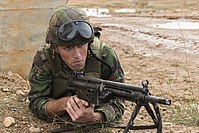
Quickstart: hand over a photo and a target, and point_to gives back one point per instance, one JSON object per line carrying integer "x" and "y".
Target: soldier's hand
{"x": 80, "y": 112}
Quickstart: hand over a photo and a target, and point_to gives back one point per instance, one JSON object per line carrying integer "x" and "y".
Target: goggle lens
{"x": 69, "y": 31}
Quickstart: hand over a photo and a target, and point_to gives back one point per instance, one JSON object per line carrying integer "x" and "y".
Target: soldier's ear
{"x": 56, "y": 49}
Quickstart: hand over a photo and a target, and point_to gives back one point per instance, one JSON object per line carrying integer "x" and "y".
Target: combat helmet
{"x": 69, "y": 26}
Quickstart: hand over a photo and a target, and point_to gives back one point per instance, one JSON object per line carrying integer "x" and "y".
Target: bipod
{"x": 157, "y": 118}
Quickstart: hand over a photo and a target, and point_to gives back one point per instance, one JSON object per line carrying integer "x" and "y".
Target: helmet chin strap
{"x": 97, "y": 34}
{"x": 102, "y": 61}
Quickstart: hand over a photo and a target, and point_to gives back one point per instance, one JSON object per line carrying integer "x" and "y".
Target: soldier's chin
{"x": 78, "y": 68}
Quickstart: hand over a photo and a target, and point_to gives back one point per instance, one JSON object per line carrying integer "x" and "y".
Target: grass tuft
{"x": 186, "y": 114}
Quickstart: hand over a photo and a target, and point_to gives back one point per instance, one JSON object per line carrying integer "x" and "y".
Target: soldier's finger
{"x": 85, "y": 103}
{"x": 70, "y": 111}
{"x": 79, "y": 102}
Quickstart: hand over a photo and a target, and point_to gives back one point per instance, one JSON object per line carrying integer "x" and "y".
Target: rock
{"x": 164, "y": 109}
{"x": 5, "y": 89}
{"x": 10, "y": 73}
{"x": 171, "y": 131}
{"x": 3, "y": 131}
{"x": 167, "y": 124}
{"x": 34, "y": 130}
{"x": 8, "y": 121}
{"x": 27, "y": 101}
{"x": 128, "y": 78}
{"x": 20, "y": 92}
{"x": 1, "y": 87}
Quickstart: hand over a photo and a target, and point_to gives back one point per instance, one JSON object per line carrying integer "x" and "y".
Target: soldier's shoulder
{"x": 41, "y": 56}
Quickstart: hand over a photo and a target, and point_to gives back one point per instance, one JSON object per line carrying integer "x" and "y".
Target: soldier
{"x": 71, "y": 47}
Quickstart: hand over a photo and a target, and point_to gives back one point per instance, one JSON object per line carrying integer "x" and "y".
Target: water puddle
{"x": 177, "y": 25}
{"x": 187, "y": 46}
{"x": 125, "y": 10}
{"x": 97, "y": 12}
{"x": 104, "y": 12}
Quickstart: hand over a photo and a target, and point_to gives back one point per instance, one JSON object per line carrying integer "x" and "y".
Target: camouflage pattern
{"x": 49, "y": 74}
{"x": 61, "y": 16}
{"x": 43, "y": 82}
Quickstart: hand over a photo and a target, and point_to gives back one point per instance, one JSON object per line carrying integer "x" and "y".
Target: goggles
{"x": 75, "y": 32}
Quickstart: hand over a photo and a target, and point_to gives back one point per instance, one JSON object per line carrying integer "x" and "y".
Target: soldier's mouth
{"x": 78, "y": 62}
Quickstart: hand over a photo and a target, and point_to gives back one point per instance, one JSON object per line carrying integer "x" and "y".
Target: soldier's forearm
{"x": 98, "y": 117}
{"x": 56, "y": 107}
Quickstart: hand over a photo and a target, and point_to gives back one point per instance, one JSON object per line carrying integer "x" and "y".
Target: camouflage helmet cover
{"x": 61, "y": 16}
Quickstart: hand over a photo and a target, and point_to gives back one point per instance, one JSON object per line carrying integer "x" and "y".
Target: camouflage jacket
{"x": 43, "y": 81}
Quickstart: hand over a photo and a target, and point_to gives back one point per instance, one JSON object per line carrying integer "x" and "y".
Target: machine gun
{"x": 99, "y": 92}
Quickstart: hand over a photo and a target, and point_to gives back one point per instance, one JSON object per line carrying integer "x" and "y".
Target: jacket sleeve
{"x": 39, "y": 79}
{"x": 113, "y": 110}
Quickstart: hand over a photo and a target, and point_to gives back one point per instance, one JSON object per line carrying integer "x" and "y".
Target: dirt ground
{"x": 168, "y": 58}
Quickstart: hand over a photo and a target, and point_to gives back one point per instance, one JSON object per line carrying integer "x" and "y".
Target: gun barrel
{"x": 138, "y": 96}
{"x": 157, "y": 100}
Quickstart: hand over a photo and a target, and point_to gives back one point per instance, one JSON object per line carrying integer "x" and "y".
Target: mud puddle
{"x": 97, "y": 12}
{"x": 104, "y": 12}
{"x": 156, "y": 40}
{"x": 177, "y": 25}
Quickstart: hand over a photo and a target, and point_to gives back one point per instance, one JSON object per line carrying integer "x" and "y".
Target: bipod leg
{"x": 133, "y": 116}
{"x": 159, "y": 116}
{"x": 155, "y": 117}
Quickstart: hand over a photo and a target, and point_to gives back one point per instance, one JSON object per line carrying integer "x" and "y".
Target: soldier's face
{"x": 74, "y": 57}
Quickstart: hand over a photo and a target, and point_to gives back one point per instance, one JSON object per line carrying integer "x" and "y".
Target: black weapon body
{"x": 99, "y": 92}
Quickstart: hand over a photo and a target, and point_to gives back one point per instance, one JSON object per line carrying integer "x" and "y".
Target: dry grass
{"x": 186, "y": 114}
